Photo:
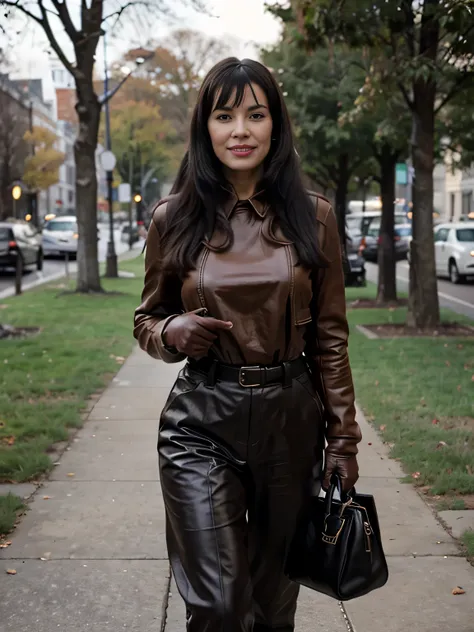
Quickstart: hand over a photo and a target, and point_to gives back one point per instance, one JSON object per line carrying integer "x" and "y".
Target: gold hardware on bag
{"x": 332, "y": 539}
{"x": 368, "y": 533}
{"x": 346, "y": 504}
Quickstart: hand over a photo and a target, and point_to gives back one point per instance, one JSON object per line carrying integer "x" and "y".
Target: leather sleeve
{"x": 326, "y": 342}
{"x": 161, "y": 297}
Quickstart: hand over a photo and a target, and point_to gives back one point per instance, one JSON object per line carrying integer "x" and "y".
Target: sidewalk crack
{"x": 350, "y": 627}
{"x": 165, "y": 602}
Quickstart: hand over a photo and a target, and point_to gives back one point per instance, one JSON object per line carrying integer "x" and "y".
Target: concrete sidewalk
{"x": 90, "y": 554}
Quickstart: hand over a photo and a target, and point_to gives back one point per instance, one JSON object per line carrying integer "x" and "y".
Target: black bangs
{"x": 233, "y": 84}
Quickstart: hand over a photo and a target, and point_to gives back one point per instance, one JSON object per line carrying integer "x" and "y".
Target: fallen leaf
{"x": 460, "y": 346}
{"x": 382, "y": 428}
{"x": 71, "y": 474}
{"x": 3, "y": 306}
{"x": 469, "y": 470}
{"x": 458, "y": 591}
{"x": 459, "y": 387}
{"x": 377, "y": 383}
{"x": 441, "y": 444}
{"x": 4, "y": 545}
{"x": 11, "y": 571}
{"x": 416, "y": 475}
{"x": 422, "y": 401}
{"x": 46, "y": 497}
{"x": 435, "y": 422}
{"x": 369, "y": 444}
{"x": 448, "y": 363}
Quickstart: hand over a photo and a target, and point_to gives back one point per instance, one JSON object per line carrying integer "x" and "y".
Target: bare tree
{"x": 96, "y": 16}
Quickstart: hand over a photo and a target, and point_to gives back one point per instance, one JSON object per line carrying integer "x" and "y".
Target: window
{"x": 70, "y": 175}
{"x": 59, "y": 225}
{"x": 466, "y": 203}
{"x": 442, "y": 234}
{"x": 453, "y": 205}
{"x": 465, "y": 235}
{"x": 70, "y": 197}
{"x": 5, "y": 234}
{"x": 403, "y": 231}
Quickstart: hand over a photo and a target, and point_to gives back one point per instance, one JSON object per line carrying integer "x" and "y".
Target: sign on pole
{"x": 401, "y": 173}
{"x": 124, "y": 192}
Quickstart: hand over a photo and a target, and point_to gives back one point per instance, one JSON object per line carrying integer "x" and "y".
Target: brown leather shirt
{"x": 257, "y": 285}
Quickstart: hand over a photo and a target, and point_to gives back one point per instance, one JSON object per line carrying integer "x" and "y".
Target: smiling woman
{"x": 244, "y": 280}
{"x": 241, "y": 135}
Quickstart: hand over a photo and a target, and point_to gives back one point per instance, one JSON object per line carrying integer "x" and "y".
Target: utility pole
{"x": 111, "y": 268}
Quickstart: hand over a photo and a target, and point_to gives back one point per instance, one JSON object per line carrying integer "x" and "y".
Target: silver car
{"x": 60, "y": 236}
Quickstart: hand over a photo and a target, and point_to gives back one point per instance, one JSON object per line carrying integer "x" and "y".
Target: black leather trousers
{"x": 236, "y": 465}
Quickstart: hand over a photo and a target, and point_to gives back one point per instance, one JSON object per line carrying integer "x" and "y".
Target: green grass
{"x": 47, "y": 379}
{"x": 419, "y": 392}
{"x": 10, "y": 506}
{"x": 468, "y": 541}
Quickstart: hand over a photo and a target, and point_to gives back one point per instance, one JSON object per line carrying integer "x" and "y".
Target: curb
{"x": 129, "y": 254}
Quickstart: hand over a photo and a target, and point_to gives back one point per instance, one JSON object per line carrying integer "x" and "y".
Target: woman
{"x": 244, "y": 280}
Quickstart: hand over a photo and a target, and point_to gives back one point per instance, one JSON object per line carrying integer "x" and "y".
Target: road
{"x": 54, "y": 268}
{"x": 459, "y": 298}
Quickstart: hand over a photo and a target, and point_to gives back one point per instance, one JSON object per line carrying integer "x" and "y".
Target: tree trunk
{"x": 387, "y": 278}
{"x": 423, "y": 309}
{"x": 88, "y": 110}
{"x": 341, "y": 195}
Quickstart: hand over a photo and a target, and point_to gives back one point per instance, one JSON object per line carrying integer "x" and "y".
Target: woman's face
{"x": 241, "y": 136}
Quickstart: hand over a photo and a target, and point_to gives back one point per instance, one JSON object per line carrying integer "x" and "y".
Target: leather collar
{"x": 257, "y": 202}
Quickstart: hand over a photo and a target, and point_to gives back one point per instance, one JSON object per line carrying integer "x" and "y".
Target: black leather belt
{"x": 250, "y": 376}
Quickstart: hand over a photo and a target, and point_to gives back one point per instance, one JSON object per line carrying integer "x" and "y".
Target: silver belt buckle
{"x": 243, "y": 372}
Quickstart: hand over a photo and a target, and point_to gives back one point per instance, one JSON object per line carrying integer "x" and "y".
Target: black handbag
{"x": 337, "y": 548}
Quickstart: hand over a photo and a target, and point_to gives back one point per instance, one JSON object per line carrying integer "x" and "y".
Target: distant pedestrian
{"x": 244, "y": 281}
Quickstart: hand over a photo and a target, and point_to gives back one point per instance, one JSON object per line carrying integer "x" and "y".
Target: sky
{"x": 245, "y": 23}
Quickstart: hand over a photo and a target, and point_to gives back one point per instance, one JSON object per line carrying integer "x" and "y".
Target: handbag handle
{"x": 336, "y": 484}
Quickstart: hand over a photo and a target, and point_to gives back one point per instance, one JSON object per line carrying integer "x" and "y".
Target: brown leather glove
{"x": 193, "y": 335}
{"x": 345, "y": 466}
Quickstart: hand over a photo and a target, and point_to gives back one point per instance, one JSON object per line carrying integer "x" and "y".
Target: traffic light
{"x": 137, "y": 198}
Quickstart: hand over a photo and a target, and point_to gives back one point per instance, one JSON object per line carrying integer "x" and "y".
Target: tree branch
{"x": 15, "y": 4}
{"x": 454, "y": 90}
{"x": 406, "y": 96}
{"x": 64, "y": 16}
{"x": 53, "y": 41}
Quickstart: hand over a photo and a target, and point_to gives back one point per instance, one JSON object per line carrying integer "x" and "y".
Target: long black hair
{"x": 202, "y": 187}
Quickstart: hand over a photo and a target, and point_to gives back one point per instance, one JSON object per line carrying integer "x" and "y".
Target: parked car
{"x": 355, "y": 274}
{"x": 362, "y": 222}
{"x": 60, "y": 236}
{"x": 370, "y": 242}
{"x": 20, "y": 239}
{"x": 454, "y": 250}
{"x": 125, "y": 234}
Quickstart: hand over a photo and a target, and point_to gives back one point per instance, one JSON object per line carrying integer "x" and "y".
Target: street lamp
{"x": 16, "y": 195}
{"x": 108, "y": 159}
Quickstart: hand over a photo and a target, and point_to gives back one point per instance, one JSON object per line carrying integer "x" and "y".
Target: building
{"x": 456, "y": 189}
{"x": 15, "y": 121}
{"x": 59, "y": 198}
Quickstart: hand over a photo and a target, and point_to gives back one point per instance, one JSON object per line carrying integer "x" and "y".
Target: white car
{"x": 454, "y": 250}
{"x": 60, "y": 236}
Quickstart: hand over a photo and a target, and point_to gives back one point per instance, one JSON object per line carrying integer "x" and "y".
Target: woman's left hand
{"x": 345, "y": 466}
